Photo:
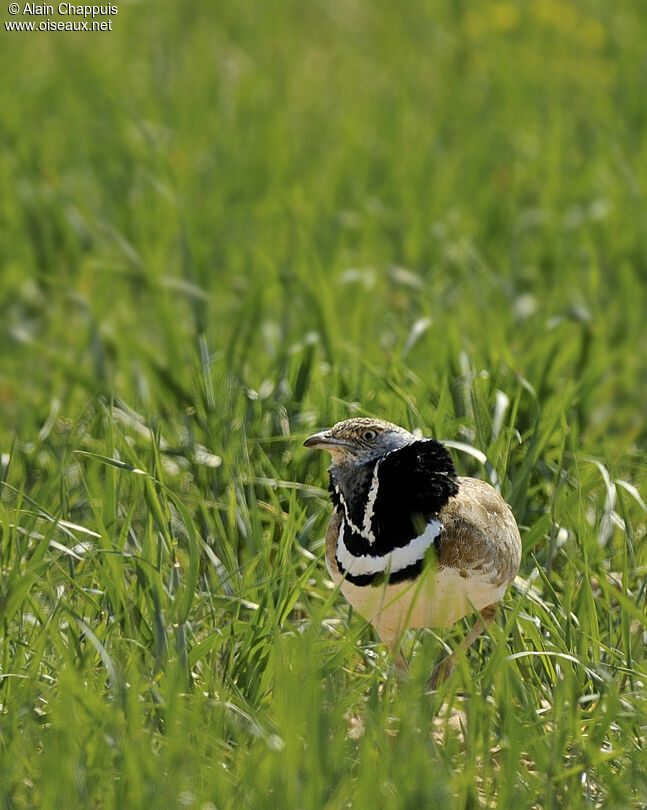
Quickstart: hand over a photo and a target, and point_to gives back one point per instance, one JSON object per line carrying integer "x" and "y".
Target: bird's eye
{"x": 369, "y": 435}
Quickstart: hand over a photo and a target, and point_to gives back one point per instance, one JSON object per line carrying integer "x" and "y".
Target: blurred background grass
{"x": 224, "y": 226}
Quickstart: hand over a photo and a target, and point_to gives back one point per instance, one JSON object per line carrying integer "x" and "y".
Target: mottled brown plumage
{"x": 475, "y": 539}
{"x": 481, "y": 532}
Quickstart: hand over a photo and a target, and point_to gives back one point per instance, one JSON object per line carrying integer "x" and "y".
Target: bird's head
{"x": 354, "y": 443}
{"x": 386, "y": 481}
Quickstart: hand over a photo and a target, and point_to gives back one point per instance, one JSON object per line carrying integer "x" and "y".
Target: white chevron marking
{"x": 370, "y": 504}
{"x": 354, "y": 528}
{"x": 394, "y": 561}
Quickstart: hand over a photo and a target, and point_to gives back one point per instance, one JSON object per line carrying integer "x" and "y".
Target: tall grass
{"x": 233, "y": 225}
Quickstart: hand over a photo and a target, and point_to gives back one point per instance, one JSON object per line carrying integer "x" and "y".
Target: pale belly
{"x": 437, "y": 599}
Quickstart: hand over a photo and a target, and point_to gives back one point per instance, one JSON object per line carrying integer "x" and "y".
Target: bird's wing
{"x": 480, "y": 532}
{"x": 332, "y": 533}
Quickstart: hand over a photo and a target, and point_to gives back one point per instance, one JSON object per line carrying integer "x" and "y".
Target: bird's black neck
{"x": 349, "y": 490}
{"x": 388, "y": 501}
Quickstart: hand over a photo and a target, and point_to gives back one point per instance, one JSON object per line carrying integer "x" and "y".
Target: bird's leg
{"x": 444, "y": 669}
{"x": 392, "y": 642}
{"x": 402, "y": 670}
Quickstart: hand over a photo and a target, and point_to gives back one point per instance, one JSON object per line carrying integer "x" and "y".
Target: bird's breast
{"x": 365, "y": 564}
{"x": 437, "y": 598}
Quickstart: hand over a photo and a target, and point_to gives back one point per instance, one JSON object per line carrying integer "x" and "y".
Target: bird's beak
{"x": 323, "y": 441}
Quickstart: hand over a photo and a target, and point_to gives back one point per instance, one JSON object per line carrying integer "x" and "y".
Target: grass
{"x": 225, "y": 227}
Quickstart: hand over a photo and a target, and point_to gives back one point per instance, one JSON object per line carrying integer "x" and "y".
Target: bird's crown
{"x": 363, "y": 430}
{"x": 357, "y": 440}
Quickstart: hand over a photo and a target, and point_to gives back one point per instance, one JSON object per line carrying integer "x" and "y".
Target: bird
{"x": 410, "y": 543}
